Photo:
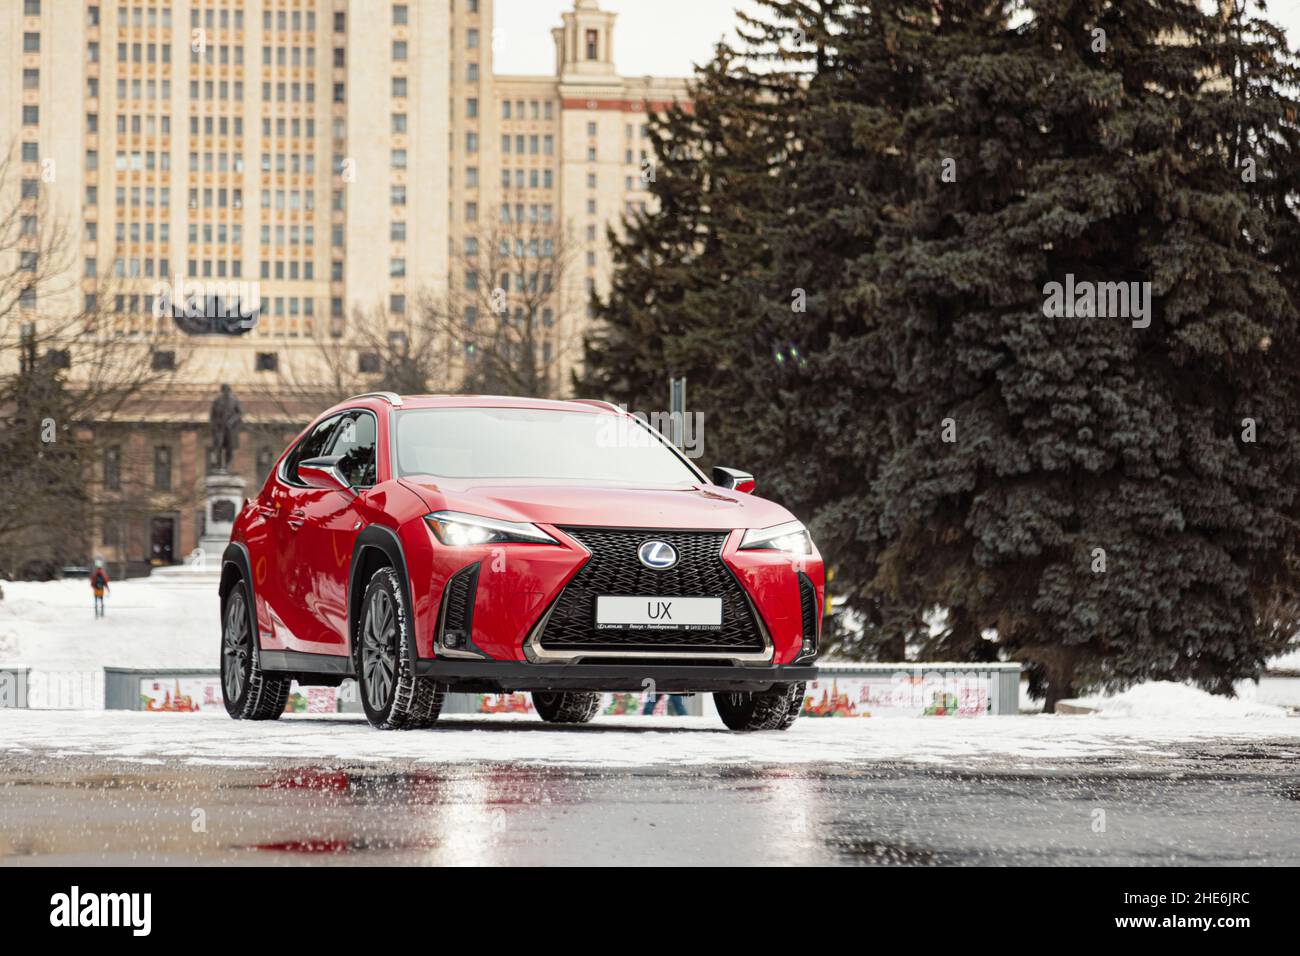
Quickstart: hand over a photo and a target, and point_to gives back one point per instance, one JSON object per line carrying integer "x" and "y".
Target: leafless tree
{"x": 508, "y": 318}
{"x": 65, "y": 376}
{"x": 504, "y": 327}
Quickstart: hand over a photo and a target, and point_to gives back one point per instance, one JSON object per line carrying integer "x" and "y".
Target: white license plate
{"x": 659, "y": 613}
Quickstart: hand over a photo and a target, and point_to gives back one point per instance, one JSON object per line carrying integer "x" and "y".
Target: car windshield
{"x": 534, "y": 443}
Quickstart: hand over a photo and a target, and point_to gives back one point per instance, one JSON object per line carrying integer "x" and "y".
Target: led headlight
{"x": 791, "y": 537}
{"x": 457, "y": 530}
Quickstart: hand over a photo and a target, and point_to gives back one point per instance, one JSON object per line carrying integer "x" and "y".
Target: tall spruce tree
{"x": 1117, "y": 497}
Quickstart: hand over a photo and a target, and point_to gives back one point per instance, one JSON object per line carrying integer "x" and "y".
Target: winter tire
{"x": 765, "y": 710}
{"x": 795, "y": 696}
{"x": 566, "y": 707}
{"x": 249, "y": 692}
{"x": 391, "y": 695}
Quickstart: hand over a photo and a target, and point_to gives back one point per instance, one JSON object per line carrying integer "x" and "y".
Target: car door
{"x": 332, "y": 519}
{"x": 289, "y": 579}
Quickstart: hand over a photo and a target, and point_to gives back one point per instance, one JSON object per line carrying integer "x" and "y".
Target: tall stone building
{"x": 325, "y": 158}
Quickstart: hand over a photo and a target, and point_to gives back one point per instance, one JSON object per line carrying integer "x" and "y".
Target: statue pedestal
{"x": 225, "y": 494}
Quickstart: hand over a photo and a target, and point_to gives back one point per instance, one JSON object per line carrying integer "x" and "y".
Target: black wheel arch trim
{"x": 236, "y": 556}
{"x": 236, "y": 553}
{"x": 385, "y": 539}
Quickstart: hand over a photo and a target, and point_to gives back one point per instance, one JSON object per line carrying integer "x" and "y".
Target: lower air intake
{"x": 456, "y": 623}
{"x": 808, "y": 610}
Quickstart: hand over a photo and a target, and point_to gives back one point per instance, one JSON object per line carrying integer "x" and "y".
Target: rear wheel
{"x": 248, "y": 691}
{"x": 391, "y": 695}
{"x": 566, "y": 707}
{"x": 774, "y": 709}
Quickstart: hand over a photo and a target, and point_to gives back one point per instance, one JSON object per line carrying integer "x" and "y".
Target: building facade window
{"x": 113, "y": 467}
{"x": 162, "y": 468}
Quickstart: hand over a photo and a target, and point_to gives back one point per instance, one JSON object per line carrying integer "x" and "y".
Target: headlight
{"x": 791, "y": 537}
{"x": 458, "y": 530}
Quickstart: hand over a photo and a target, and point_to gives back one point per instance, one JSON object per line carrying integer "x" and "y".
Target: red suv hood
{"x": 698, "y": 506}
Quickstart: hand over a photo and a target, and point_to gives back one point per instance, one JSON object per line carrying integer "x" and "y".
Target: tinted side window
{"x": 312, "y": 446}
{"x": 354, "y": 442}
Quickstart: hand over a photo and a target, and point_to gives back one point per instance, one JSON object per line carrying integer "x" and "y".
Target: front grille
{"x": 614, "y": 569}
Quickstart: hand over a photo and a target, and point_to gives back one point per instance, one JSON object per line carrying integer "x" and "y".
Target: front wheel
{"x": 391, "y": 695}
{"x": 248, "y": 692}
{"x": 774, "y": 709}
{"x": 566, "y": 707}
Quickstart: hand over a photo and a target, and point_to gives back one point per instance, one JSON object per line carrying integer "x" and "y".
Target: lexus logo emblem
{"x": 657, "y": 555}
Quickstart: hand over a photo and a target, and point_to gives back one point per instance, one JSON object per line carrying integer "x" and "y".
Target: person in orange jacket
{"x": 99, "y": 584}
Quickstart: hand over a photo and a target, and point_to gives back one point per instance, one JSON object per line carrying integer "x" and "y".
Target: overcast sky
{"x": 663, "y": 37}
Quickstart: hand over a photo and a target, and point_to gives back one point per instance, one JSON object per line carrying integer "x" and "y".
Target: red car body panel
{"x": 300, "y": 544}
{"x": 593, "y": 505}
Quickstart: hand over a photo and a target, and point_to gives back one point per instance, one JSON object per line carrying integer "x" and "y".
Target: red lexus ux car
{"x": 427, "y": 544}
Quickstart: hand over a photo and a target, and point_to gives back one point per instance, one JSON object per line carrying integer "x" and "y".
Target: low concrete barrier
{"x": 940, "y": 689}
{"x": 843, "y": 690}
{"x": 162, "y": 690}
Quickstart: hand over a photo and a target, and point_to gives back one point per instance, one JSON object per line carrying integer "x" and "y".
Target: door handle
{"x": 297, "y": 518}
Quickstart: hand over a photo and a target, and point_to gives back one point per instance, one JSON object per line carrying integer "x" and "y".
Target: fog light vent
{"x": 456, "y": 620}
{"x": 811, "y": 620}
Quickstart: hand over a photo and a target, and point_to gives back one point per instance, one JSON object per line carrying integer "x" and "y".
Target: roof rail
{"x": 598, "y": 403}
{"x": 392, "y": 398}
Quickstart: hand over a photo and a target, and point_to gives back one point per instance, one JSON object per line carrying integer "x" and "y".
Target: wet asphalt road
{"x": 1199, "y": 804}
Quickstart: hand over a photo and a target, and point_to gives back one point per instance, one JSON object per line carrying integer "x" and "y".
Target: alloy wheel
{"x": 379, "y": 650}
{"x": 236, "y": 647}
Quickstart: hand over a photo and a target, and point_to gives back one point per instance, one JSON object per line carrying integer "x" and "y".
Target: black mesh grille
{"x": 458, "y": 607}
{"x": 808, "y": 608}
{"x": 615, "y": 570}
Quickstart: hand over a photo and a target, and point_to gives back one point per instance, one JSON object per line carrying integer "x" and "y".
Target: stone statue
{"x": 225, "y": 419}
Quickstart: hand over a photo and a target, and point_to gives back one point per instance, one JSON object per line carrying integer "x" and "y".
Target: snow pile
{"x": 1289, "y": 661}
{"x": 1165, "y": 699}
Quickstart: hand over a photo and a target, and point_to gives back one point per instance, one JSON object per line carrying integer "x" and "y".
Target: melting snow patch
{"x": 1163, "y": 699}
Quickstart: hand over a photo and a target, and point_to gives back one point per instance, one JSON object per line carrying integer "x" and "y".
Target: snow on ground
{"x": 621, "y": 742}
{"x": 1287, "y": 662}
{"x": 165, "y": 622}
{"x": 1161, "y": 699}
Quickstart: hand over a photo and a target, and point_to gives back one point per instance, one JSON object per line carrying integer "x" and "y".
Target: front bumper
{"x": 535, "y": 604}
{"x": 505, "y": 677}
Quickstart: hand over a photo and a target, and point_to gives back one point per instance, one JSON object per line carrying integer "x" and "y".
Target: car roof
{"x": 404, "y": 402}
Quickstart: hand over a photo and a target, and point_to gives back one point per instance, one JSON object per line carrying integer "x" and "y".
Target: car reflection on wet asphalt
{"x": 1197, "y": 804}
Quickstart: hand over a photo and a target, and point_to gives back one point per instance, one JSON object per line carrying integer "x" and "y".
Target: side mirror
{"x": 324, "y": 473}
{"x": 733, "y": 480}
